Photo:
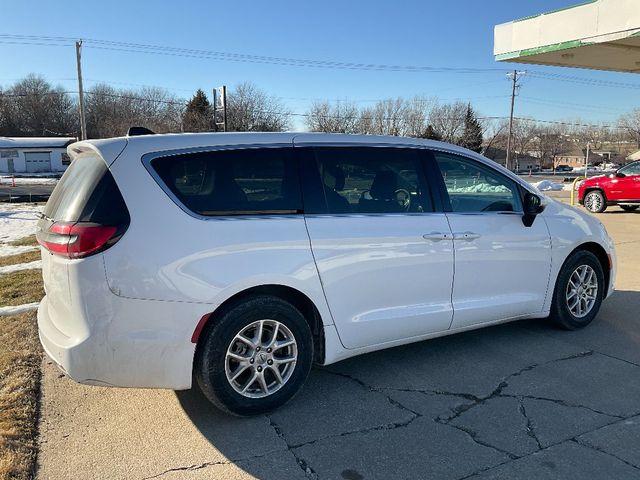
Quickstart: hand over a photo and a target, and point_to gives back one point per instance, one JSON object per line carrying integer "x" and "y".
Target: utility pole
{"x": 83, "y": 122}
{"x": 514, "y": 77}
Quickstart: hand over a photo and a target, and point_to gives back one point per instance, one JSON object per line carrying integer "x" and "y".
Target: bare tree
{"x": 110, "y": 111}
{"x": 33, "y": 107}
{"x": 250, "y": 109}
{"x": 448, "y": 120}
{"x": 388, "y": 117}
{"x": 416, "y": 116}
{"x": 337, "y": 117}
{"x": 630, "y": 123}
{"x": 524, "y": 132}
{"x": 595, "y": 135}
{"x": 495, "y": 134}
{"x": 551, "y": 140}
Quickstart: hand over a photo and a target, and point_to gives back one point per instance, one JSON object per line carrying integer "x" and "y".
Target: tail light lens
{"x": 78, "y": 240}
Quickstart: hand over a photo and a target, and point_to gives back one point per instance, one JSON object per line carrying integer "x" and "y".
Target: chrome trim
{"x": 380, "y": 214}
{"x": 360, "y": 144}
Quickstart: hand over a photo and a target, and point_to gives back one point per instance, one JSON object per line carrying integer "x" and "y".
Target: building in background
{"x": 34, "y": 154}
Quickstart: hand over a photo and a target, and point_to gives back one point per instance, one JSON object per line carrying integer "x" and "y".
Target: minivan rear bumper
{"x": 63, "y": 350}
{"x": 120, "y": 352}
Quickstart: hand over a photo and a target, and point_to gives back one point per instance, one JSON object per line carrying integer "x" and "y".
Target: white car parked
{"x": 241, "y": 259}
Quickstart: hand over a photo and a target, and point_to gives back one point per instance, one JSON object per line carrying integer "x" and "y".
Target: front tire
{"x": 595, "y": 202}
{"x": 579, "y": 291}
{"x": 254, "y": 356}
{"x": 629, "y": 208}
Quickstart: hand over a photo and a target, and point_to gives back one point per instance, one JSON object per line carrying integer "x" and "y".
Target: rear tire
{"x": 243, "y": 363}
{"x": 629, "y": 208}
{"x": 581, "y": 280}
{"x": 595, "y": 202}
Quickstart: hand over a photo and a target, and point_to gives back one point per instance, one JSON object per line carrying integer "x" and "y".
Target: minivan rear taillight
{"x": 77, "y": 240}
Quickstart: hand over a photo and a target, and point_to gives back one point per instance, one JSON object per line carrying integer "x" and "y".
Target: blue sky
{"x": 407, "y": 32}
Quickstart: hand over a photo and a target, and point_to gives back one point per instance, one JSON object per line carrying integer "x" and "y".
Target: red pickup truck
{"x": 620, "y": 188}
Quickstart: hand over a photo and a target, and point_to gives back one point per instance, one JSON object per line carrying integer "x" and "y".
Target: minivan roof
{"x": 111, "y": 148}
{"x": 175, "y": 141}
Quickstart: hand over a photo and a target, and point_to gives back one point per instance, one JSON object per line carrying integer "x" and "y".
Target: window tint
{"x": 473, "y": 187}
{"x": 234, "y": 182}
{"x": 372, "y": 180}
{"x": 631, "y": 169}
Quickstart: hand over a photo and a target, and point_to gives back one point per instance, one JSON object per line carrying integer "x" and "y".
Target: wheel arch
{"x": 599, "y": 188}
{"x": 602, "y": 256}
{"x": 295, "y": 297}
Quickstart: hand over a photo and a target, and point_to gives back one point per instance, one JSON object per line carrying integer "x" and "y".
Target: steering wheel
{"x": 403, "y": 197}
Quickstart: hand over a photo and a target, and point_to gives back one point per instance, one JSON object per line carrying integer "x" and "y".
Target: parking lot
{"x": 522, "y": 400}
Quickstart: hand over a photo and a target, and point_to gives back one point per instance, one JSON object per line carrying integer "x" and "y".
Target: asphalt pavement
{"x": 521, "y": 400}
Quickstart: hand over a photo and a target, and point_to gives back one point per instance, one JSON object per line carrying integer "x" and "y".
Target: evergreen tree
{"x": 431, "y": 133}
{"x": 198, "y": 115}
{"x": 472, "y": 135}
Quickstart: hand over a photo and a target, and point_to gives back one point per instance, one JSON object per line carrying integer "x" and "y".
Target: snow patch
{"x": 8, "y": 250}
{"x": 21, "y": 266}
{"x": 7, "y": 180}
{"x": 547, "y": 185}
{"x": 15, "y": 310}
{"x": 18, "y": 220}
{"x": 478, "y": 187}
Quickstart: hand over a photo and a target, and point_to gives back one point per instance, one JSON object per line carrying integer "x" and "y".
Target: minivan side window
{"x": 473, "y": 187}
{"x": 233, "y": 182}
{"x": 371, "y": 180}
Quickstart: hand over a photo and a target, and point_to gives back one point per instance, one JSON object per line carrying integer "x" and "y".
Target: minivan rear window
{"x": 87, "y": 192}
{"x": 233, "y": 182}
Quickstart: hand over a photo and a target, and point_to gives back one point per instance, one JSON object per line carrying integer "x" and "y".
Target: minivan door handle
{"x": 436, "y": 236}
{"x": 468, "y": 236}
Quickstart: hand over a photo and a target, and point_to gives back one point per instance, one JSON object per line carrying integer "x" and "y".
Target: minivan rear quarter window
{"x": 233, "y": 182}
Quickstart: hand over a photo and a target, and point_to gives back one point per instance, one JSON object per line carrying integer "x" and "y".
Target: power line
{"x": 582, "y": 80}
{"x": 128, "y": 47}
{"x": 578, "y": 106}
{"x": 231, "y": 56}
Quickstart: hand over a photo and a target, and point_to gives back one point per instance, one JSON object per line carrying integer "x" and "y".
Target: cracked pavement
{"x": 522, "y": 400}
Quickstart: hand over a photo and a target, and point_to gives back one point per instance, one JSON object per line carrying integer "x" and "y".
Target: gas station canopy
{"x": 599, "y": 34}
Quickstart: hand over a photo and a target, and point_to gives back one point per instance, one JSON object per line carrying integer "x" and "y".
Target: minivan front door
{"x": 384, "y": 256}
{"x": 502, "y": 268}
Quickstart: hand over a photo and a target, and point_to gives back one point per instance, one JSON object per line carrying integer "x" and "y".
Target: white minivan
{"x": 241, "y": 259}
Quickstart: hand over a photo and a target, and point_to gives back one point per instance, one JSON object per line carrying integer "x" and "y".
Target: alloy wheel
{"x": 582, "y": 290}
{"x": 593, "y": 201}
{"x": 261, "y": 358}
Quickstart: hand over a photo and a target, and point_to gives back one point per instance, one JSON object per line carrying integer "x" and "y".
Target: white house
{"x": 34, "y": 154}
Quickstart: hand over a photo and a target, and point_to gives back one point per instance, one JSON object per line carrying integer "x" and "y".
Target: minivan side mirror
{"x": 620, "y": 175}
{"x": 532, "y": 207}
